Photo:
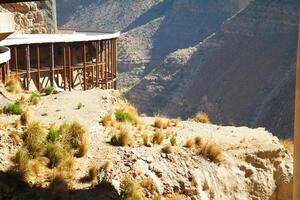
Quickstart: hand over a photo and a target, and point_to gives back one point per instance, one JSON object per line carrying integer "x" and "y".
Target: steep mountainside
{"x": 242, "y": 75}
{"x": 153, "y": 28}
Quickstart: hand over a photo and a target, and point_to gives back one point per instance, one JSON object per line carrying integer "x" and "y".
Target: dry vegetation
{"x": 202, "y": 118}
{"x": 288, "y": 145}
{"x": 13, "y": 85}
{"x": 47, "y": 155}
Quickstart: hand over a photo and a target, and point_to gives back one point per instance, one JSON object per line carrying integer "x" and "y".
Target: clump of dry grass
{"x": 127, "y": 114}
{"x": 25, "y": 118}
{"x": 35, "y": 98}
{"x": 202, "y": 118}
{"x": 105, "y": 166}
{"x": 189, "y": 143}
{"x": 146, "y": 140}
{"x": 76, "y": 138}
{"x": 158, "y": 137}
{"x": 108, "y": 120}
{"x": 167, "y": 149}
{"x": 83, "y": 149}
{"x": 212, "y": 152}
{"x": 160, "y": 123}
{"x": 13, "y": 85}
{"x": 149, "y": 185}
{"x": 14, "y": 135}
{"x": 122, "y": 137}
{"x": 18, "y": 123}
{"x": 174, "y": 122}
{"x": 288, "y": 144}
{"x": 93, "y": 173}
{"x": 199, "y": 141}
{"x": 35, "y": 138}
{"x": 131, "y": 190}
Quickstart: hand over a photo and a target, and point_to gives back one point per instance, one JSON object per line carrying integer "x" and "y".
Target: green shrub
{"x": 80, "y": 105}
{"x": 13, "y": 108}
{"x": 53, "y": 134}
{"x": 48, "y": 90}
{"x": 173, "y": 141}
{"x": 35, "y": 98}
{"x": 122, "y": 116}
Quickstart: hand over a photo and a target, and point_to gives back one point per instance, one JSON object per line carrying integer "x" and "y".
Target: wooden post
{"x": 70, "y": 67}
{"x": 296, "y": 178}
{"x": 84, "y": 66}
{"x": 52, "y": 65}
{"x": 38, "y": 66}
{"x": 28, "y": 73}
{"x": 97, "y": 64}
{"x": 116, "y": 62}
{"x": 65, "y": 68}
{"x": 16, "y": 60}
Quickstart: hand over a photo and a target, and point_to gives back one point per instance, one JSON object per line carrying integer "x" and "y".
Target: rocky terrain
{"x": 33, "y": 17}
{"x": 243, "y": 74}
{"x": 249, "y": 163}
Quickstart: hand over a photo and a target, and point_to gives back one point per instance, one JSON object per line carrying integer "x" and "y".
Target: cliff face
{"x": 33, "y": 17}
{"x": 153, "y": 28}
{"x": 242, "y": 75}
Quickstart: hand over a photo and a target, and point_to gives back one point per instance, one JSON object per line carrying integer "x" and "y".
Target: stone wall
{"x": 33, "y": 17}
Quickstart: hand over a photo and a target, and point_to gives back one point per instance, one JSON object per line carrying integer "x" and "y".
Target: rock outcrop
{"x": 33, "y": 17}
{"x": 252, "y": 163}
{"x": 242, "y": 75}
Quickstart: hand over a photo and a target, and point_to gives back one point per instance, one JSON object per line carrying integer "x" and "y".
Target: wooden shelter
{"x": 77, "y": 60}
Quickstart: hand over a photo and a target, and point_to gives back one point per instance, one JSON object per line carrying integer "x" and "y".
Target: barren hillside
{"x": 186, "y": 159}
{"x": 242, "y": 75}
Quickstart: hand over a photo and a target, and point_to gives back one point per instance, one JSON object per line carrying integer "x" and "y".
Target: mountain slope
{"x": 243, "y": 74}
{"x": 153, "y": 28}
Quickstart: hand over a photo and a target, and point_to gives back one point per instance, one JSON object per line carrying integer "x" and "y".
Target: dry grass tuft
{"x": 25, "y": 118}
{"x": 189, "y": 143}
{"x": 93, "y": 173}
{"x": 105, "y": 166}
{"x": 108, "y": 120}
{"x": 18, "y": 124}
{"x": 83, "y": 149}
{"x": 174, "y": 122}
{"x": 14, "y": 135}
{"x": 160, "y": 123}
{"x": 131, "y": 190}
{"x": 288, "y": 145}
{"x": 146, "y": 140}
{"x": 76, "y": 137}
{"x": 199, "y": 141}
{"x": 212, "y": 152}
{"x": 13, "y": 85}
{"x": 35, "y": 98}
{"x": 35, "y": 138}
{"x": 202, "y": 118}
{"x": 167, "y": 149}
{"x": 149, "y": 185}
{"x": 122, "y": 137}
{"x": 158, "y": 137}
{"x": 127, "y": 114}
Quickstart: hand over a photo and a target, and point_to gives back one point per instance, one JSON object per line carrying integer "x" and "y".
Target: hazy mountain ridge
{"x": 243, "y": 75}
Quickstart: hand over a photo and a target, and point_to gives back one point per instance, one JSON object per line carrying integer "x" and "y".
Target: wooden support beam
{"x": 16, "y": 60}
{"x": 28, "y": 71}
{"x": 97, "y": 64}
{"x": 52, "y": 65}
{"x": 84, "y": 66}
{"x": 296, "y": 177}
{"x": 38, "y": 67}
{"x": 65, "y": 67}
{"x": 70, "y": 67}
